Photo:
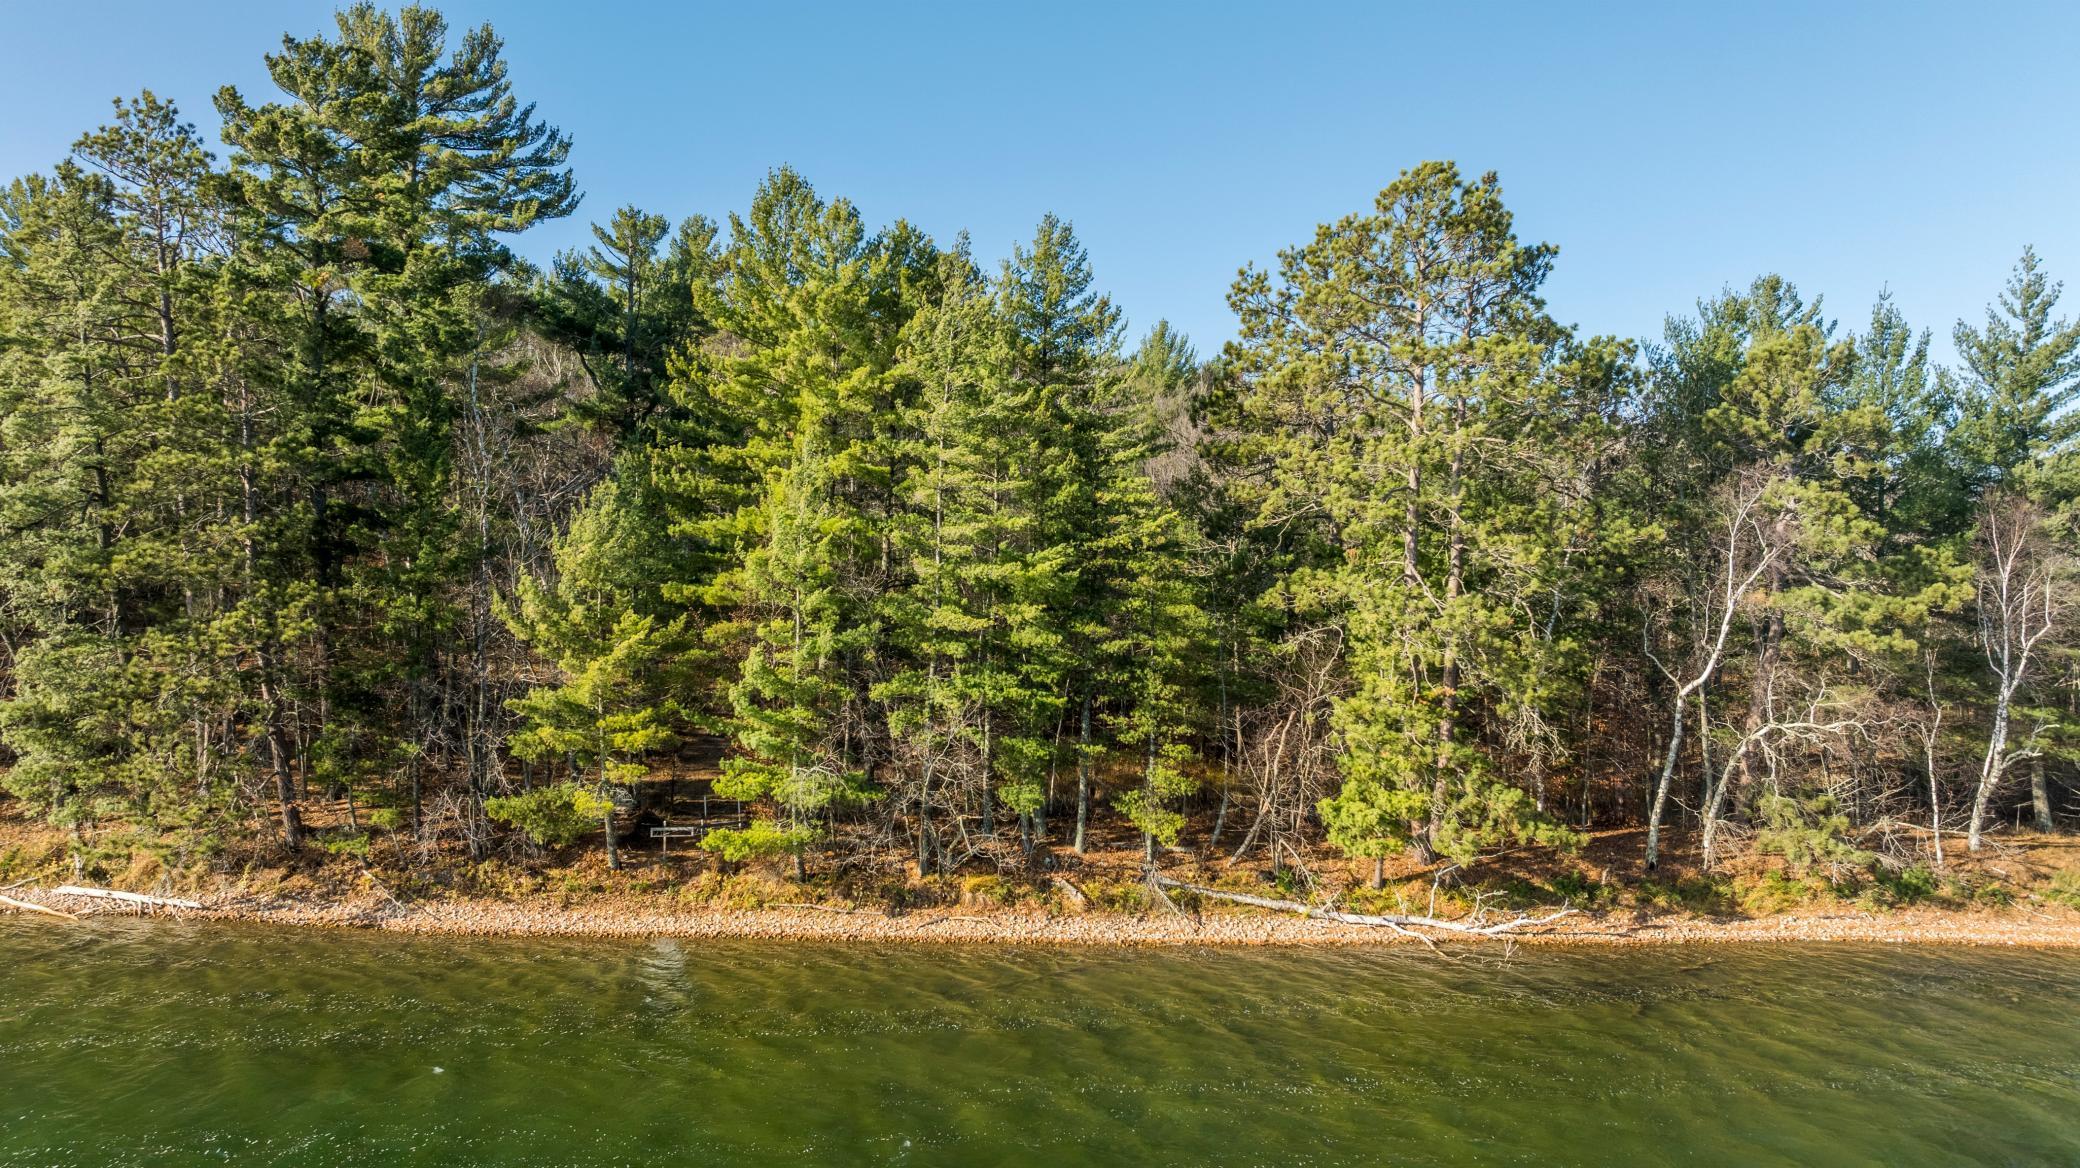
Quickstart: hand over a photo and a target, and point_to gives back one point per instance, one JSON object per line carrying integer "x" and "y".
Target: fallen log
{"x": 131, "y": 897}
{"x": 1156, "y": 886}
{"x": 1397, "y": 923}
{"x": 1075, "y": 894}
{"x": 940, "y": 920}
{"x": 830, "y": 908}
{"x": 25, "y": 906}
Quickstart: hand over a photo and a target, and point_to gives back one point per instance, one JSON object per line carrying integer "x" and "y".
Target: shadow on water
{"x": 140, "y": 1043}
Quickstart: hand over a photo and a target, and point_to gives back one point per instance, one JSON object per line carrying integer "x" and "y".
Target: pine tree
{"x": 2022, "y": 371}
{"x": 2013, "y": 442}
{"x": 800, "y": 409}
{"x": 624, "y": 656}
{"x": 1064, "y": 362}
{"x": 625, "y": 309}
{"x": 1153, "y": 641}
{"x": 1381, "y": 366}
{"x": 789, "y": 699}
{"x": 369, "y": 206}
{"x": 969, "y": 715}
{"x": 106, "y": 462}
{"x": 1912, "y": 487}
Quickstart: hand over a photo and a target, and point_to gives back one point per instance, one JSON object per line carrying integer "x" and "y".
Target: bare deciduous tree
{"x": 1747, "y": 544}
{"x": 2023, "y": 593}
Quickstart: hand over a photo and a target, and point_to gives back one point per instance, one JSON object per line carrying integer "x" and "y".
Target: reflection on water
{"x": 139, "y": 1043}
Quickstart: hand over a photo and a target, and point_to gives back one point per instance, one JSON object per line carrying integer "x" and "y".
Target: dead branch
{"x": 829, "y": 908}
{"x": 131, "y": 897}
{"x": 940, "y": 920}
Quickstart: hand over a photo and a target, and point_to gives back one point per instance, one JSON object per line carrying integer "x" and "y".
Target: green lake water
{"x": 144, "y": 1043}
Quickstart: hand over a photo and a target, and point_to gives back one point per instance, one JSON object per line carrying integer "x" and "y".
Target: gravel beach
{"x": 624, "y": 918}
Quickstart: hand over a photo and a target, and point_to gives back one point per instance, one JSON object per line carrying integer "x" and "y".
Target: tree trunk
{"x": 1716, "y": 801}
{"x": 1935, "y": 800}
{"x": 1083, "y": 779}
{"x": 1989, "y": 772}
{"x": 1148, "y": 839}
{"x": 2040, "y": 795}
{"x": 1448, "y": 698}
{"x": 989, "y": 800}
{"x": 924, "y": 823}
{"x": 284, "y": 782}
{"x": 1668, "y": 773}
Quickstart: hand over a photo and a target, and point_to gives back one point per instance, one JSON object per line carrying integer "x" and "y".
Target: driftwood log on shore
{"x": 25, "y": 906}
{"x": 1397, "y": 923}
{"x": 128, "y": 897}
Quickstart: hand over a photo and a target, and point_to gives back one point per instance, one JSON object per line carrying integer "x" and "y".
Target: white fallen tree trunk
{"x": 1398, "y": 923}
{"x": 130, "y": 897}
{"x": 25, "y": 906}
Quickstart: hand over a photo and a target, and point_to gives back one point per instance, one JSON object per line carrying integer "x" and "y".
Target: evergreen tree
{"x": 809, "y": 309}
{"x": 625, "y": 657}
{"x": 1377, "y": 368}
{"x": 68, "y": 434}
{"x": 369, "y": 206}
{"x": 1911, "y": 486}
{"x": 2014, "y": 443}
{"x": 625, "y": 308}
{"x": 1151, "y": 648}
{"x": 968, "y": 715}
{"x": 1064, "y": 364}
{"x": 121, "y": 698}
{"x": 2021, "y": 373}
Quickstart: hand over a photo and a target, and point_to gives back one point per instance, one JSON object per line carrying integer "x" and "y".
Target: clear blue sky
{"x": 1669, "y": 148}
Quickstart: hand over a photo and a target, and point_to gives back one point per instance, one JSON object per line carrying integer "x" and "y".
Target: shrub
{"x": 1288, "y": 883}
{"x": 764, "y": 838}
{"x": 2065, "y": 888}
{"x": 704, "y": 887}
{"x": 499, "y": 879}
{"x": 554, "y": 817}
{"x": 1779, "y": 892}
{"x": 1809, "y": 834}
{"x": 748, "y": 892}
{"x": 1579, "y": 890}
{"x": 1117, "y": 895}
{"x": 347, "y": 845}
{"x": 1993, "y": 894}
{"x": 989, "y": 890}
{"x": 1910, "y": 885}
{"x": 1704, "y": 895}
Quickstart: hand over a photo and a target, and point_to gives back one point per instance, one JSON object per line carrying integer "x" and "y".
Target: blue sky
{"x": 1668, "y": 148}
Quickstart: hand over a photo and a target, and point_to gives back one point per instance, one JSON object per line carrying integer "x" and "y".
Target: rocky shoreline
{"x": 616, "y": 918}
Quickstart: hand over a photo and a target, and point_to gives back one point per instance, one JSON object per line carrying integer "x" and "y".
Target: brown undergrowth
{"x": 2023, "y": 890}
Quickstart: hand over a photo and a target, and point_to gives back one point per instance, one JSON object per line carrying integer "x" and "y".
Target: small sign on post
{"x": 668, "y": 833}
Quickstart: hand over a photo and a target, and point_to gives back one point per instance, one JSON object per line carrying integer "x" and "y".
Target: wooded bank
{"x": 312, "y": 491}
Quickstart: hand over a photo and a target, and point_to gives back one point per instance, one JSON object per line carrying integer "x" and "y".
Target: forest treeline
{"x": 311, "y": 488}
